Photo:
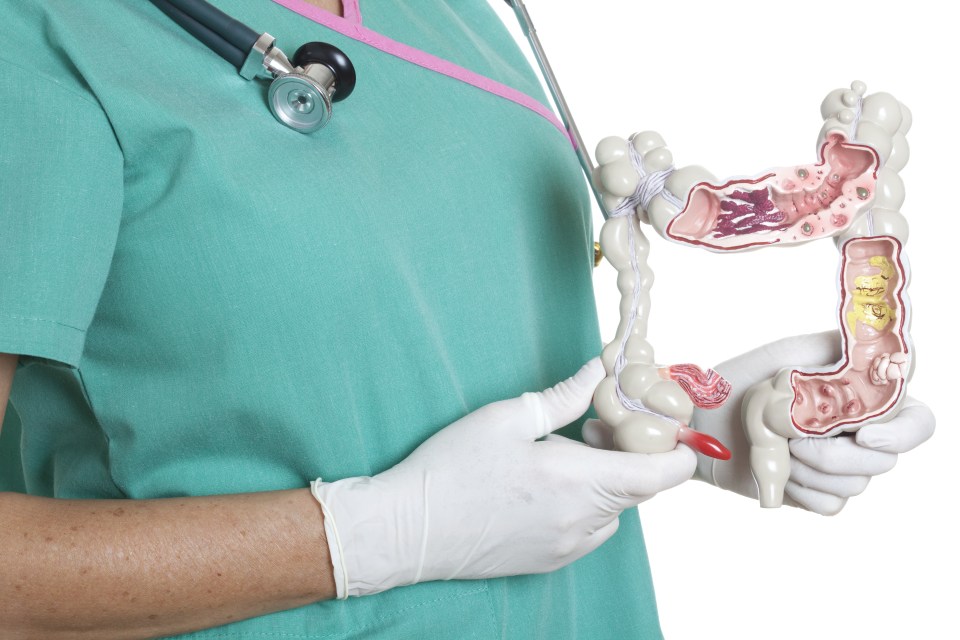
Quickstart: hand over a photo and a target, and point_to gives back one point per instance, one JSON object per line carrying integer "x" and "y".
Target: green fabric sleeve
{"x": 61, "y": 194}
{"x": 11, "y": 468}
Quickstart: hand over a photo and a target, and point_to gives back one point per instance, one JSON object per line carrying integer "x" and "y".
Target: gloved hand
{"x": 484, "y": 498}
{"x": 824, "y": 471}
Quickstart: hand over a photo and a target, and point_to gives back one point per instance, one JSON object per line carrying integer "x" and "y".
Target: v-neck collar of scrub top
{"x": 350, "y": 25}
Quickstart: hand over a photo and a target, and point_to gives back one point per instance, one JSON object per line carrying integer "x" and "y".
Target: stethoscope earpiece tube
{"x": 583, "y": 155}
{"x": 227, "y": 37}
{"x": 302, "y": 93}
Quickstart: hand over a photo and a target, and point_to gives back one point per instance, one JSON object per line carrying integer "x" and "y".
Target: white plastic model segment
{"x": 786, "y": 205}
{"x": 867, "y": 385}
{"x": 852, "y": 193}
{"x": 873, "y": 319}
{"x": 648, "y": 406}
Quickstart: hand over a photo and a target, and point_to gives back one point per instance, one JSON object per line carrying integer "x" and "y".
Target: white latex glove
{"x": 824, "y": 471}
{"x": 484, "y": 498}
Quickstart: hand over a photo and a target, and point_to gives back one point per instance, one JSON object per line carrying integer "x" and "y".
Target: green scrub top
{"x": 212, "y": 303}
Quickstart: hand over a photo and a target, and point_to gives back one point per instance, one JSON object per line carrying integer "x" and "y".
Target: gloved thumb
{"x": 812, "y": 350}
{"x": 910, "y": 428}
{"x": 548, "y": 410}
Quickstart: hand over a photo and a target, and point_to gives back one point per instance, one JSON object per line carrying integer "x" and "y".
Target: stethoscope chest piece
{"x": 303, "y": 98}
{"x": 302, "y": 91}
{"x": 299, "y": 102}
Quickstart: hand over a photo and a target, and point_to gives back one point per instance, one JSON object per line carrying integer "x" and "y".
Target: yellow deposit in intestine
{"x": 869, "y": 303}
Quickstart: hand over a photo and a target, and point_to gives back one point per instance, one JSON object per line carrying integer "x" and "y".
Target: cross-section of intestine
{"x": 785, "y": 205}
{"x": 868, "y": 383}
{"x": 852, "y": 193}
{"x": 870, "y": 379}
{"x": 861, "y": 148}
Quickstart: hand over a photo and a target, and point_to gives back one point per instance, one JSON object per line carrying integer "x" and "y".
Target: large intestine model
{"x": 852, "y": 193}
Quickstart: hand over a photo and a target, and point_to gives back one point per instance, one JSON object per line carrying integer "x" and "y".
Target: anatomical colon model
{"x": 853, "y": 193}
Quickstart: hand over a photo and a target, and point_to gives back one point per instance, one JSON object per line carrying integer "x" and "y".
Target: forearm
{"x": 144, "y": 568}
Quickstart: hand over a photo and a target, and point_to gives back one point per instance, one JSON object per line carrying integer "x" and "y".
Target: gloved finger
{"x": 631, "y": 478}
{"x": 585, "y": 544}
{"x": 598, "y": 435}
{"x": 813, "y": 500}
{"x": 605, "y": 532}
{"x": 561, "y": 404}
{"x": 790, "y": 502}
{"x": 618, "y": 499}
{"x": 910, "y": 428}
{"x": 557, "y": 438}
{"x": 840, "y": 486}
{"x": 809, "y": 350}
{"x": 842, "y": 455}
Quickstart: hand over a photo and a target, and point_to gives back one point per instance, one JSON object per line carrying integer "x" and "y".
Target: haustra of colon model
{"x": 852, "y": 193}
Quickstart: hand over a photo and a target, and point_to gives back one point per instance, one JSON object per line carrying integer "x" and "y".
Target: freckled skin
{"x": 82, "y": 569}
{"x": 86, "y": 570}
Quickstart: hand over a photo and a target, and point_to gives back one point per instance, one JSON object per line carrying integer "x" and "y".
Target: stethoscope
{"x": 302, "y": 90}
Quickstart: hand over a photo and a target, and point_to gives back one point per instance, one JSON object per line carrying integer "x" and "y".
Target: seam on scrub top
{"x": 90, "y": 100}
{"x": 297, "y": 636}
{"x": 422, "y": 59}
{"x": 497, "y": 623}
{"x": 103, "y": 432}
{"x": 60, "y": 324}
{"x": 34, "y": 73}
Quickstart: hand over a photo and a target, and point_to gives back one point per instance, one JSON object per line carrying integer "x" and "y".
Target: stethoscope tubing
{"x": 583, "y": 155}
{"x": 227, "y": 37}
{"x": 234, "y": 41}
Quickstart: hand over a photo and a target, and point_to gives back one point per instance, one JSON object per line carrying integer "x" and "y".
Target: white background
{"x": 736, "y": 87}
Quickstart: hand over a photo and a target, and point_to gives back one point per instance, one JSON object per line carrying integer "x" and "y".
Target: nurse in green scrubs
{"x": 208, "y": 311}
{"x": 209, "y": 304}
